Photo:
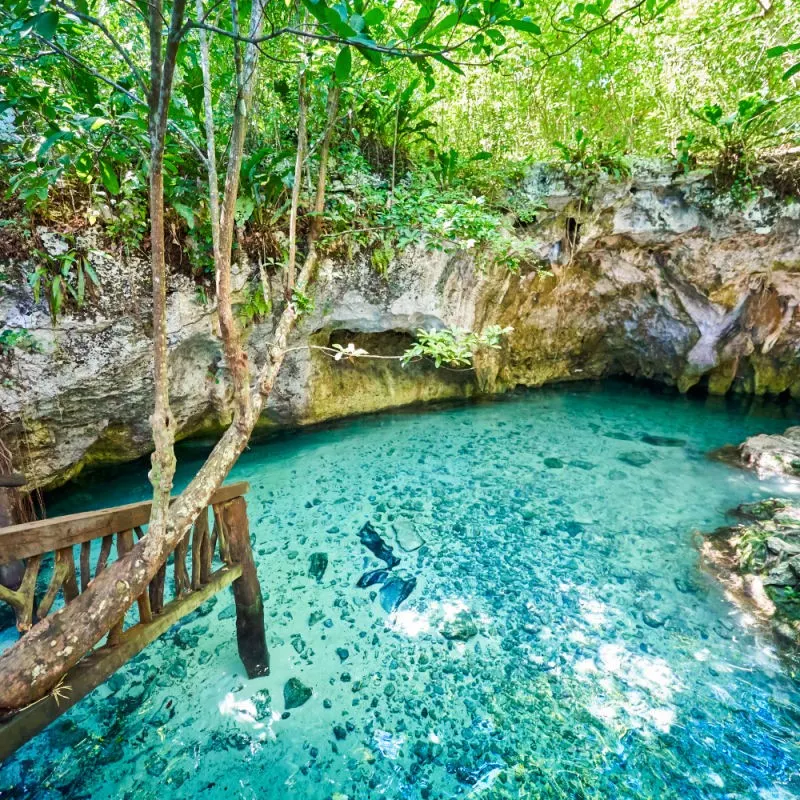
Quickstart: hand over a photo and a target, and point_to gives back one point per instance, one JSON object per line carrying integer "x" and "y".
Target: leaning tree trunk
{"x": 35, "y": 664}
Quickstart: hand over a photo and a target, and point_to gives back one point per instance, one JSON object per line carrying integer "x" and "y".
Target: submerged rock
{"x": 762, "y": 509}
{"x": 295, "y": 694}
{"x": 663, "y": 441}
{"x": 473, "y": 776}
{"x": 373, "y": 541}
{"x": 461, "y": 628}
{"x": 395, "y": 591}
{"x": 317, "y": 564}
{"x": 635, "y": 458}
{"x": 405, "y": 533}
{"x": 372, "y": 577}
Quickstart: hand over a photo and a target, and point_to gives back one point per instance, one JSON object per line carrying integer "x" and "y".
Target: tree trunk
{"x": 319, "y": 201}
{"x": 298, "y": 179}
{"x": 34, "y": 665}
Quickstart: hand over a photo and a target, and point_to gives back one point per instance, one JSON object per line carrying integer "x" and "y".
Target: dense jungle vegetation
{"x": 430, "y": 111}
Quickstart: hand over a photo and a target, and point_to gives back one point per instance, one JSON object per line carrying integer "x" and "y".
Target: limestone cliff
{"x": 652, "y": 277}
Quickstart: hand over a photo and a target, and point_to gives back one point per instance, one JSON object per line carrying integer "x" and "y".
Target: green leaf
{"x": 357, "y": 23}
{"x": 344, "y": 63}
{"x": 186, "y": 213}
{"x": 81, "y": 287}
{"x": 374, "y": 16}
{"x": 46, "y": 24}
{"x": 334, "y": 21}
{"x": 447, "y": 62}
{"x": 89, "y": 269}
{"x": 792, "y": 71}
{"x": 524, "y": 25}
{"x": 774, "y": 52}
{"x": 424, "y": 17}
{"x": 450, "y": 21}
{"x": 109, "y": 177}
{"x": 318, "y": 9}
{"x": 51, "y": 140}
{"x": 244, "y": 209}
{"x": 372, "y": 56}
{"x": 56, "y": 297}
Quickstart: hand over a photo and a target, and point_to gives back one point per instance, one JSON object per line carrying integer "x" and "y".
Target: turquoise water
{"x": 598, "y": 660}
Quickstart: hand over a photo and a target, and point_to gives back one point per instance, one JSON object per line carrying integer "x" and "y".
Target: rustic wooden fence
{"x": 209, "y": 558}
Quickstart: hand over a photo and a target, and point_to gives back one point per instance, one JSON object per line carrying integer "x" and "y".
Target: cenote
{"x": 560, "y": 641}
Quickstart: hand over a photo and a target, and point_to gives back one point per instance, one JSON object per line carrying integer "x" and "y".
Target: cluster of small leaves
{"x": 255, "y": 306}
{"x": 303, "y": 303}
{"x": 62, "y": 279}
{"x": 454, "y": 347}
{"x": 587, "y": 158}
{"x": 20, "y": 338}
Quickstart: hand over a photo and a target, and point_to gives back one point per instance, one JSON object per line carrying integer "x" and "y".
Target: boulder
{"x": 776, "y": 454}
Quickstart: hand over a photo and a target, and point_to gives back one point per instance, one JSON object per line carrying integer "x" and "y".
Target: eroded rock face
{"x": 655, "y": 278}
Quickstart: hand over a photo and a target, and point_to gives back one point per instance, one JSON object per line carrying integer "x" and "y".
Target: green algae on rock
{"x": 758, "y": 560}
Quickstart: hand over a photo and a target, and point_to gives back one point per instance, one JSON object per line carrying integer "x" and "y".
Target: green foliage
{"x": 62, "y": 279}
{"x": 588, "y": 157}
{"x": 453, "y": 347}
{"x": 751, "y": 547}
{"x": 780, "y": 50}
{"x": 17, "y": 337}
{"x": 381, "y": 257}
{"x": 415, "y": 111}
{"x": 303, "y": 304}
{"x": 256, "y": 307}
{"x": 732, "y": 142}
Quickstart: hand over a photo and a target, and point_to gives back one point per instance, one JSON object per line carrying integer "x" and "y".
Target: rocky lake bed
{"x": 481, "y": 601}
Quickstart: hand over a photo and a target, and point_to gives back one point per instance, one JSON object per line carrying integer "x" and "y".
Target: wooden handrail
{"x": 47, "y": 535}
{"x": 220, "y": 556}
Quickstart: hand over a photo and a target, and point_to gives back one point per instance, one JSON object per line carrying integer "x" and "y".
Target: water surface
{"x": 559, "y": 525}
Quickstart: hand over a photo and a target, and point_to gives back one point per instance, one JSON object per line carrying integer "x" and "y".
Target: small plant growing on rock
{"x": 453, "y": 347}
{"x": 61, "y": 279}
{"x": 21, "y": 338}
{"x": 303, "y": 304}
{"x": 256, "y": 305}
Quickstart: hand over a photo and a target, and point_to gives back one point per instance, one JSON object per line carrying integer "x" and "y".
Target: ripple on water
{"x": 557, "y": 639}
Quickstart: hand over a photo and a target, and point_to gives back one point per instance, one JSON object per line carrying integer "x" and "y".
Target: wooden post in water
{"x": 11, "y": 574}
{"x": 246, "y": 590}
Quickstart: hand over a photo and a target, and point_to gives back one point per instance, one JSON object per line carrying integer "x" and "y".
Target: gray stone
{"x": 651, "y": 316}
{"x": 635, "y": 458}
{"x": 406, "y": 535}
{"x": 295, "y": 693}
{"x": 317, "y": 564}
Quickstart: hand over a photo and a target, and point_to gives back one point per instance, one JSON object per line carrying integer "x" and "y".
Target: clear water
{"x": 605, "y": 665}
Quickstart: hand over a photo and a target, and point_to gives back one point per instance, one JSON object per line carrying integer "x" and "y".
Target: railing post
{"x": 246, "y": 591}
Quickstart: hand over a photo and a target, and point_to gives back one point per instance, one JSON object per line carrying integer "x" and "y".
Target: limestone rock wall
{"x": 653, "y": 277}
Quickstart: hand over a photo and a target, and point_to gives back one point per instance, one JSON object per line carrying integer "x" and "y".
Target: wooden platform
{"x": 96, "y": 668}
{"x": 49, "y": 544}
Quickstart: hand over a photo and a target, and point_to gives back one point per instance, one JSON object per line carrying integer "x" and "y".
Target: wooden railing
{"x": 206, "y": 560}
